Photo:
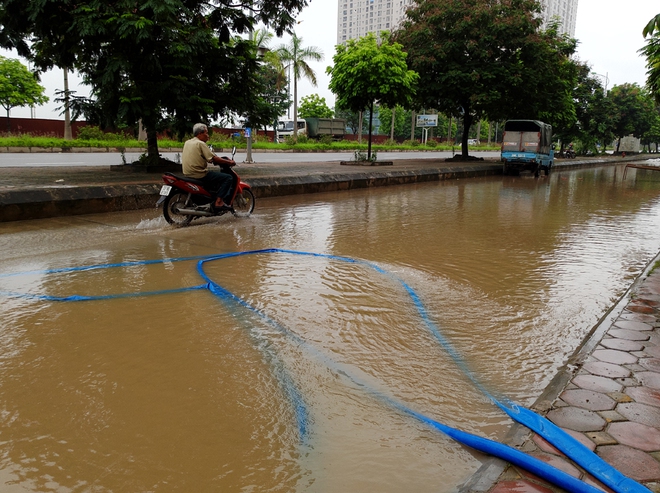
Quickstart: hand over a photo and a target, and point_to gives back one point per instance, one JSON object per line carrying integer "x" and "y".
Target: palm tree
{"x": 294, "y": 57}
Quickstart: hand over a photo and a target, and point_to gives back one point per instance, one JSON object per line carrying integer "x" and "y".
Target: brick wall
{"x": 38, "y": 127}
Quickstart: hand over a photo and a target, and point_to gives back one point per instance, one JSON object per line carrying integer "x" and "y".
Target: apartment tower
{"x": 359, "y": 17}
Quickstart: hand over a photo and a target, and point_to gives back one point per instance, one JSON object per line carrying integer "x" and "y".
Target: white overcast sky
{"x": 609, "y": 33}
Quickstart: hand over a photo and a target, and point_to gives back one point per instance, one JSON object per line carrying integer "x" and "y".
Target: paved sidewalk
{"x": 607, "y": 397}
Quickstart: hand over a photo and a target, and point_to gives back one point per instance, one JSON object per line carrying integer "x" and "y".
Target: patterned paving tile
{"x": 622, "y": 344}
{"x": 597, "y": 384}
{"x": 640, "y": 413}
{"x": 644, "y": 395}
{"x": 615, "y": 357}
{"x": 606, "y": 369}
{"x": 519, "y": 487}
{"x": 636, "y": 435}
{"x": 576, "y": 419}
{"x": 637, "y": 465}
{"x": 632, "y": 325}
{"x": 588, "y": 399}
{"x": 629, "y": 335}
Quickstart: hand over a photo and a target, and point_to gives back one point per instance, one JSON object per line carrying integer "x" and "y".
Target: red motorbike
{"x": 185, "y": 199}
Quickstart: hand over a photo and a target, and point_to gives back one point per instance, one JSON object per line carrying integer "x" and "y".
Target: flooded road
{"x": 283, "y": 378}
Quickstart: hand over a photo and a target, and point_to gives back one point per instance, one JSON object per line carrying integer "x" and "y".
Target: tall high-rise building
{"x": 359, "y": 17}
{"x": 564, "y": 10}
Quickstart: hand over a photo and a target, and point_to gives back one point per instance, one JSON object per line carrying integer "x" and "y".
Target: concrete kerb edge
{"x": 492, "y": 469}
{"x": 53, "y": 202}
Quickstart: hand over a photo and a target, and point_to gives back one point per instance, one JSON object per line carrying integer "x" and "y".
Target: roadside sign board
{"x": 427, "y": 120}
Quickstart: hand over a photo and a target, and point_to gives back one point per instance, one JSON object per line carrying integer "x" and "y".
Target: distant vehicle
{"x": 473, "y": 142}
{"x": 314, "y": 128}
{"x": 527, "y": 145}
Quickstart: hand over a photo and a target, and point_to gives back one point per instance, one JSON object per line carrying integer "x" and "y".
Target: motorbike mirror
{"x": 233, "y": 151}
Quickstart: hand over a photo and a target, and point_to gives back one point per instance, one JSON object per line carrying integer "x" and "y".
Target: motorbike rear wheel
{"x": 244, "y": 203}
{"x": 171, "y": 208}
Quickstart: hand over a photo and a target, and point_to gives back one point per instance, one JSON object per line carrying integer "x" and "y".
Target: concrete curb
{"x": 66, "y": 201}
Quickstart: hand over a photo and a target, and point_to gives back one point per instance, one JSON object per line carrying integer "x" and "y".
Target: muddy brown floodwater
{"x": 287, "y": 386}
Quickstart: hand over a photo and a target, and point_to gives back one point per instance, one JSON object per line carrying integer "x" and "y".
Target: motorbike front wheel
{"x": 171, "y": 208}
{"x": 244, "y": 203}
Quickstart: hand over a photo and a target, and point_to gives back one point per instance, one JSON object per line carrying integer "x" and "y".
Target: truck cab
{"x": 285, "y": 128}
{"x": 527, "y": 145}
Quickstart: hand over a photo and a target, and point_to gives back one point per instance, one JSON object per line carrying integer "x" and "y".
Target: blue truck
{"x": 527, "y": 145}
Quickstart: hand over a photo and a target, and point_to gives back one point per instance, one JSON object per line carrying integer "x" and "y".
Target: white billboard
{"x": 427, "y": 120}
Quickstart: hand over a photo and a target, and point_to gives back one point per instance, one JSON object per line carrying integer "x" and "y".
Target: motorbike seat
{"x": 183, "y": 177}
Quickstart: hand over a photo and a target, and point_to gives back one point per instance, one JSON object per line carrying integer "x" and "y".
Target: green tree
{"x": 314, "y": 106}
{"x": 635, "y": 109}
{"x": 272, "y": 99}
{"x": 18, "y": 86}
{"x": 595, "y": 116}
{"x": 652, "y": 136}
{"x": 652, "y": 26}
{"x": 352, "y": 118}
{"x": 651, "y": 51}
{"x": 366, "y": 72}
{"x": 294, "y": 57}
{"x": 478, "y": 58}
{"x": 168, "y": 63}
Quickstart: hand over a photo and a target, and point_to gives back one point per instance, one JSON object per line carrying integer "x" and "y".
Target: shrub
{"x": 326, "y": 139}
{"x": 90, "y": 132}
{"x": 431, "y": 143}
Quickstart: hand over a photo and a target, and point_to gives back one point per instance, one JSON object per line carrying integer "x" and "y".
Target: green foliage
{"x": 365, "y": 71}
{"x": 352, "y": 118}
{"x": 482, "y": 59}
{"x": 652, "y": 26}
{"x": 651, "y": 51}
{"x": 90, "y": 132}
{"x": 18, "y": 86}
{"x": 635, "y": 109}
{"x": 314, "y": 106}
{"x": 361, "y": 156}
{"x": 170, "y": 63}
{"x": 294, "y": 57}
{"x": 652, "y": 136}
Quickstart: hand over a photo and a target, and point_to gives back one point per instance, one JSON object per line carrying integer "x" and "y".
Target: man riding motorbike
{"x": 196, "y": 158}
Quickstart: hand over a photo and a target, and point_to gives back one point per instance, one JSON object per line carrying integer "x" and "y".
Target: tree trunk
{"x": 371, "y": 119}
{"x": 449, "y": 132}
{"x": 8, "y": 122}
{"x": 412, "y": 127}
{"x": 67, "y": 113}
{"x": 467, "y": 123}
{"x": 392, "y": 127}
{"x": 152, "y": 144}
{"x": 360, "y": 119}
{"x": 295, "y": 108}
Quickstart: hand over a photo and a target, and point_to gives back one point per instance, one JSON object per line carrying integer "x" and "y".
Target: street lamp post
{"x": 607, "y": 79}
